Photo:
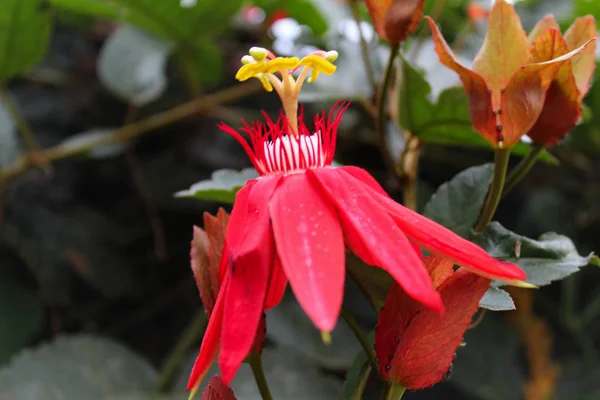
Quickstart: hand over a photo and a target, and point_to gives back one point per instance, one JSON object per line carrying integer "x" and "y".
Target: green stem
{"x": 362, "y": 382}
{"x": 381, "y": 108}
{"x": 395, "y": 391}
{"x": 522, "y": 168}
{"x": 364, "y": 47}
{"x": 364, "y": 341}
{"x": 501, "y": 158}
{"x": 255, "y": 361}
{"x": 188, "y": 338}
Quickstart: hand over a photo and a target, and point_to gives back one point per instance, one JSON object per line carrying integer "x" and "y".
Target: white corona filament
{"x": 293, "y": 153}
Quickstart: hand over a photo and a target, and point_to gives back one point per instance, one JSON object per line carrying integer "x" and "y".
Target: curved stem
{"x": 395, "y": 391}
{"x": 173, "y": 361}
{"x": 501, "y": 158}
{"x": 364, "y": 341}
{"x": 255, "y": 361}
{"x": 522, "y": 168}
{"x": 381, "y": 108}
{"x": 362, "y": 382}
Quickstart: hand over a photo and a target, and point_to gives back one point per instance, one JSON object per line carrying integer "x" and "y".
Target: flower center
{"x": 293, "y": 153}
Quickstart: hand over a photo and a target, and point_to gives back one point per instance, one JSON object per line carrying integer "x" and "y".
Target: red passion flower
{"x": 295, "y": 222}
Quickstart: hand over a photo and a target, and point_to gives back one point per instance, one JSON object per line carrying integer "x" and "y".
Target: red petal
{"x": 364, "y": 177}
{"x": 310, "y": 245}
{"x": 277, "y": 285}
{"x": 442, "y": 241}
{"x": 374, "y": 236}
{"x": 210, "y": 341}
{"x": 252, "y": 261}
{"x": 424, "y": 342}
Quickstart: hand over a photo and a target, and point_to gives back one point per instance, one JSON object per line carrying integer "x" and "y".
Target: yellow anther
{"x": 280, "y": 64}
{"x": 265, "y": 82}
{"x": 250, "y": 70}
{"x": 319, "y": 64}
{"x": 259, "y": 53}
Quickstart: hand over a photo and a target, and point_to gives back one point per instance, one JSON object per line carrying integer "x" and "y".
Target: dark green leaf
{"x": 354, "y": 374}
{"x": 551, "y": 257}
{"x": 9, "y": 145}
{"x": 303, "y": 11}
{"x": 457, "y": 203}
{"x": 204, "y": 65}
{"x": 222, "y": 186}
{"x": 375, "y": 281}
{"x": 496, "y": 299}
{"x": 25, "y": 30}
{"x": 21, "y": 313}
{"x": 490, "y": 359}
{"x": 75, "y": 368}
{"x": 289, "y": 326}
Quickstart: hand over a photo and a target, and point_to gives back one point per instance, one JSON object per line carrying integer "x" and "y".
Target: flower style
{"x": 507, "y": 85}
{"x": 562, "y": 107}
{"x": 414, "y": 345}
{"x": 295, "y": 221}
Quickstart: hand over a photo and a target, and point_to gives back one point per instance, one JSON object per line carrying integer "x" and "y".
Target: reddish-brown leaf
{"x": 416, "y": 345}
{"x": 402, "y": 18}
{"x": 505, "y": 49}
{"x": 480, "y": 101}
{"x": 205, "y": 255}
{"x": 523, "y": 99}
{"x": 562, "y": 106}
{"x": 582, "y": 30}
{"x": 217, "y": 390}
{"x": 377, "y": 10}
{"x": 548, "y": 22}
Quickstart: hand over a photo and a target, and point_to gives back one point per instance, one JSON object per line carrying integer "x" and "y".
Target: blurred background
{"x": 97, "y": 299}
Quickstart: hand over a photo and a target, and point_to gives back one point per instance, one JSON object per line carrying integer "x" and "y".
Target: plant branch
{"x": 381, "y": 115}
{"x": 133, "y": 130}
{"x": 255, "y": 361}
{"x": 364, "y": 341}
{"x": 395, "y": 391}
{"x": 407, "y": 167}
{"x": 501, "y": 158}
{"x": 522, "y": 168}
{"x": 362, "y": 382}
{"x": 172, "y": 363}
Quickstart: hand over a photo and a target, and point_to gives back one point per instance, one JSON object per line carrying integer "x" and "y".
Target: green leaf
{"x": 89, "y": 138}
{"x": 496, "y": 299}
{"x": 354, "y": 373}
{"x": 448, "y": 121}
{"x": 204, "y": 65}
{"x": 25, "y": 30}
{"x": 75, "y": 368}
{"x": 222, "y": 186}
{"x": 457, "y": 203}
{"x": 290, "y": 327}
{"x": 415, "y": 109}
{"x": 21, "y": 313}
{"x": 551, "y": 257}
{"x": 374, "y": 281}
{"x": 166, "y": 18}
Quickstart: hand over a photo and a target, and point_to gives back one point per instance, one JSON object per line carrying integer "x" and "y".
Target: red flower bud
{"x": 217, "y": 390}
{"x": 416, "y": 345}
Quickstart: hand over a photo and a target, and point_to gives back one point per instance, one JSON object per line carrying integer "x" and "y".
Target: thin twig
{"x": 364, "y": 46}
{"x": 131, "y": 131}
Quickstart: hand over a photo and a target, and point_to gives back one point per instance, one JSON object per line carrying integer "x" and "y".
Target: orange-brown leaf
{"x": 548, "y": 22}
{"x": 217, "y": 390}
{"x": 562, "y": 106}
{"x": 505, "y": 48}
{"x": 477, "y": 12}
{"x": 377, "y": 10}
{"x": 402, "y": 18}
{"x": 582, "y": 30}
{"x": 416, "y": 345}
{"x": 480, "y": 101}
{"x": 523, "y": 99}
